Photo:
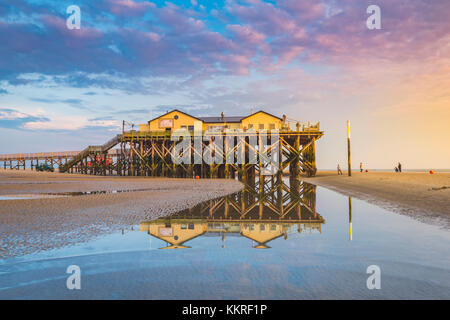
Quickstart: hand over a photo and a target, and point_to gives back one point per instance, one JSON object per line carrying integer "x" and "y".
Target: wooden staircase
{"x": 89, "y": 151}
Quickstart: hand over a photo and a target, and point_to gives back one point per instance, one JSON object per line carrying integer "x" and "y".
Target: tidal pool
{"x": 270, "y": 241}
{"x": 64, "y": 194}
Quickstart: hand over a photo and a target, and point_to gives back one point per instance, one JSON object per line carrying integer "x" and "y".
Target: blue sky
{"x": 315, "y": 60}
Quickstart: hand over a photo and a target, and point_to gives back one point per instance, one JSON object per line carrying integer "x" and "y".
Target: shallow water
{"x": 279, "y": 242}
{"x": 65, "y": 194}
{"x": 29, "y": 196}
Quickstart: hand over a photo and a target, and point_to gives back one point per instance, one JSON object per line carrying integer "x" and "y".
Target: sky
{"x": 314, "y": 60}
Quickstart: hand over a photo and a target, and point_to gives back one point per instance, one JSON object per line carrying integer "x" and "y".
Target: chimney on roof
{"x": 251, "y": 111}
{"x": 223, "y": 116}
{"x": 284, "y": 118}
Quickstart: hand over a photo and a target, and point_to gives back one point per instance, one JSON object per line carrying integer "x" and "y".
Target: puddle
{"x": 29, "y": 196}
{"x": 272, "y": 241}
{"x": 65, "y": 194}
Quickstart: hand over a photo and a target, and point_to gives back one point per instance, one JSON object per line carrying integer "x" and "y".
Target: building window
{"x": 176, "y": 117}
{"x": 191, "y": 128}
{"x": 183, "y": 127}
{"x": 272, "y": 126}
{"x": 261, "y": 126}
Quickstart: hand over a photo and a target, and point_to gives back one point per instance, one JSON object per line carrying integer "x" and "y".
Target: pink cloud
{"x": 58, "y": 24}
{"x": 290, "y": 54}
{"x": 246, "y": 34}
{"x": 263, "y": 16}
{"x": 128, "y": 7}
{"x": 237, "y": 64}
{"x": 261, "y": 36}
{"x": 304, "y": 10}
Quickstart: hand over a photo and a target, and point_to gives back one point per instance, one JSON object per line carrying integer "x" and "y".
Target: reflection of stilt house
{"x": 263, "y": 233}
{"x": 262, "y": 217}
{"x": 175, "y": 234}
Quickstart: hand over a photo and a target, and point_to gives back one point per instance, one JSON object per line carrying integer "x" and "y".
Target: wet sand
{"x": 34, "y": 225}
{"x": 423, "y": 196}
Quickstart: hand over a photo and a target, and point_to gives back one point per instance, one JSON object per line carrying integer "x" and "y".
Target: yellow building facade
{"x": 176, "y": 119}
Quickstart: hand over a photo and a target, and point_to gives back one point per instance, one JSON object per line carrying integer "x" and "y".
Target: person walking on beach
{"x": 360, "y": 167}
{"x": 399, "y": 167}
{"x": 339, "y": 169}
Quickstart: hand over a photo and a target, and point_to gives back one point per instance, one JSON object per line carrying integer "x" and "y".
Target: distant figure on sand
{"x": 360, "y": 167}
{"x": 339, "y": 169}
{"x": 396, "y": 169}
{"x": 399, "y": 167}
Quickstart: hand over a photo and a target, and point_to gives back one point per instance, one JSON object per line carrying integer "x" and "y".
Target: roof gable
{"x": 261, "y": 111}
{"x": 174, "y": 110}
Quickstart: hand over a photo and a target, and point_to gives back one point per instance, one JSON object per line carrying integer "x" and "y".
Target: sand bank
{"x": 421, "y": 195}
{"x": 34, "y": 225}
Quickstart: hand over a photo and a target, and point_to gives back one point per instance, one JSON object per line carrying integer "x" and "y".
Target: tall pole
{"x": 348, "y": 149}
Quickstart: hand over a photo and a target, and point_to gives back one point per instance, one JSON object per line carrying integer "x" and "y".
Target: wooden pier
{"x": 31, "y": 160}
{"x": 243, "y": 152}
{"x": 21, "y": 161}
{"x": 149, "y": 154}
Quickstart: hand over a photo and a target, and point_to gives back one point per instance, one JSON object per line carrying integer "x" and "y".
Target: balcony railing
{"x": 289, "y": 127}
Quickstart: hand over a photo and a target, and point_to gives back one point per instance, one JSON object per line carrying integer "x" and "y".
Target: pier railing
{"x": 42, "y": 155}
{"x": 300, "y": 128}
{"x": 37, "y": 155}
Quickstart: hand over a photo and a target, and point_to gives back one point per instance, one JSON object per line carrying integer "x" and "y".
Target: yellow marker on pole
{"x": 348, "y": 150}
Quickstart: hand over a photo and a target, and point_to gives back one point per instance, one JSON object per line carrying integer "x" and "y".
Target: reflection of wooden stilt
{"x": 261, "y": 195}
{"x": 350, "y": 231}
{"x": 243, "y": 199}
{"x": 210, "y": 208}
{"x": 280, "y": 199}
{"x": 226, "y": 207}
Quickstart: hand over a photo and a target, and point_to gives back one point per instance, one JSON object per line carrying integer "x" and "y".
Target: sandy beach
{"x": 421, "y": 195}
{"x": 33, "y": 225}
{"x": 304, "y": 264}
